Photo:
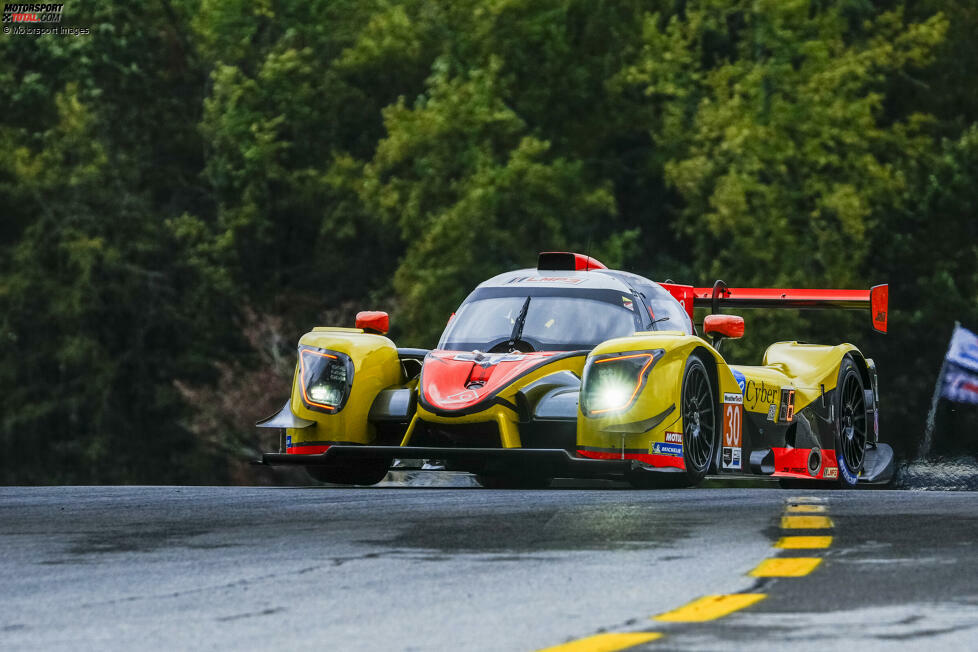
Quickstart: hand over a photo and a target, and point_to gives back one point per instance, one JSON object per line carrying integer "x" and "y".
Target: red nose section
{"x": 459, "y": 380}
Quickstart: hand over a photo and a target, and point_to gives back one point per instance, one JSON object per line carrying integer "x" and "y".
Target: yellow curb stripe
{"x": 605, "y": 642}
{"x": 710, "y": 607}
{"x": 806, "y": 509}
{"x": 796, "y": 543}
{"x": 806, "y": 522}
{"x": 786, "y": 567}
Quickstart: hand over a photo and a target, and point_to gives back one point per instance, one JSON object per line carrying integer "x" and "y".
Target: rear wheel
{"x": 699, "y": 412}
{"x": 361, "y": 472}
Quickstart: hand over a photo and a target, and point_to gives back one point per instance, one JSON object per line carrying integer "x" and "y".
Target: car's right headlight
{"x": 613, "y": 381}
{"x": 325, "y": 379}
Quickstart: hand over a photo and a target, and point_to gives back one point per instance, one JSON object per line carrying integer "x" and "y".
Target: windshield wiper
{"x": 656, "y": 321}
{"x": 518, "y": 325}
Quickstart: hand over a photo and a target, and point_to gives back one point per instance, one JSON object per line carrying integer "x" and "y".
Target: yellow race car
{"x": 573, "y": 370}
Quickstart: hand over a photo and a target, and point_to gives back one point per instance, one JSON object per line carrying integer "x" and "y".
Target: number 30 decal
{"x": 733, "y": 417}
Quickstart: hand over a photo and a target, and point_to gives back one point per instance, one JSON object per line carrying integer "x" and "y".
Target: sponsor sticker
{"x": 831, "y": 473}
{"x": 733, "y": 398}
{"x": 787, "y": 411}
{"x": 772, "y": 412}
{"x": 548, "y": 279}
{"x": 674, "y": 437}
{"x": 488, "y": 359}
{"x": 741, "y": 381}
{"x": 625, "y": 301}
{"x": 762, "y": 393}
{"x": 461, "y": 397}
{"x": 675, "y": 450}
{"x": 731, "y": 458}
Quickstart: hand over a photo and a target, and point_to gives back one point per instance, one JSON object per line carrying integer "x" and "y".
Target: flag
{"x": 964, "y": 349}
{"x": 960, "y": 382}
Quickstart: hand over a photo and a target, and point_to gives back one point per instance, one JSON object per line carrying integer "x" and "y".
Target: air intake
{"x": 567, "y": 261}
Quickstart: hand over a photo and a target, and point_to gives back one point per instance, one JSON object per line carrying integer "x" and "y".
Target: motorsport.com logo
{"x": 32, "y": 13}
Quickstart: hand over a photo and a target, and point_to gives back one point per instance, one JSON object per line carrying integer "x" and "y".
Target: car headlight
{"x": 613, "y": 381}
{"x": 325, "y": 379}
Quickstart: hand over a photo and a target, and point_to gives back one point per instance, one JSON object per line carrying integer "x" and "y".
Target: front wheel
{"x": 361, "y": 472}
{"x": 699, "y": 413}
{"x": 850, "y": 424}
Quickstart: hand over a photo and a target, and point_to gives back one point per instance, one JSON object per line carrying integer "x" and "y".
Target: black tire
{"x": 512, "y": 481}
{"x": 362, "y": 472}
{"x": 851, "y": 427}
{"x": 699, "y": 412}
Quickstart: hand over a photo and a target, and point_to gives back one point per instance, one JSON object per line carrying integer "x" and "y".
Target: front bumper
{"x": 556, "y": 462}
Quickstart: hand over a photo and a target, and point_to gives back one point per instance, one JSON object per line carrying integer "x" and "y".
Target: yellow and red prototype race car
{"x": 573, "y": 370}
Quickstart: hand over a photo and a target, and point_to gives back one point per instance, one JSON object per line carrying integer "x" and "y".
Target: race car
{"x": 573, "y": 370}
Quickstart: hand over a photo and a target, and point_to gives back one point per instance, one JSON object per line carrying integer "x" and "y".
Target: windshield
{"x": 552, "y": 323}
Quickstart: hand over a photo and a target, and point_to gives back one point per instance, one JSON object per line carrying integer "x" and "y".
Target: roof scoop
{"x": 567, "y": 261}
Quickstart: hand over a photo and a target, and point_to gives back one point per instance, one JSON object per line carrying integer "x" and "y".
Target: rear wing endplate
{"x": 876, "y": 299}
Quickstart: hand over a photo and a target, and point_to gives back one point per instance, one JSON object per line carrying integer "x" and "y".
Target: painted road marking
{"x": 786, "y": 567}
{"x": 806, "y": 509}
{"x": 605, "y": 642}
{"x": 806, "y": 522}
{"x": 795, "y": 543}
{"x": 804, "y": 499}
{"x": 710, "y": 607}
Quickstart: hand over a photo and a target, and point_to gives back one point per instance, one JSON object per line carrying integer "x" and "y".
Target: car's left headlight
{"x": 325, "y": 379}
{"x": 613, "y": 381}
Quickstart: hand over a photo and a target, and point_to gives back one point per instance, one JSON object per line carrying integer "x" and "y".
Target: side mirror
{"x": 375, "y": 321}
{"x": 724, "y": 325}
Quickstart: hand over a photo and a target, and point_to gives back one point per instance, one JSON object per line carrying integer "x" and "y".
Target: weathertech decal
{"x": 733, "y": 398}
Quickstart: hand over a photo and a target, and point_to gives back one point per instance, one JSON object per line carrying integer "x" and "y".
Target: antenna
{"x": 587, "y": 253}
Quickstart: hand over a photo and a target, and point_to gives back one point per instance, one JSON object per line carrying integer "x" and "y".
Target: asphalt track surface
{"x": 409, "y": 568}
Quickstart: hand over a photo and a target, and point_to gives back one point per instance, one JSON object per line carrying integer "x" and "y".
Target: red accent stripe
{"x": 299, "y": 449}
{"x": 653, "y": 460}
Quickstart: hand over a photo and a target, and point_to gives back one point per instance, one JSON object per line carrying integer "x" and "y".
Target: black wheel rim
{"x": 699, "y": 420}
{"x": 852, "y": 421}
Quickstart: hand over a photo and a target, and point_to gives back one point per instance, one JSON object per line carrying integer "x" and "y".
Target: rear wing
{"x": 876, "y": 299}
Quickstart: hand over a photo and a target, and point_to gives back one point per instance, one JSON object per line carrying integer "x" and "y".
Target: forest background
{"x": 192, "y": 185}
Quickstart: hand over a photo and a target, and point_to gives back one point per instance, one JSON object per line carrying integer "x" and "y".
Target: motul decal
{"x": 674, "y": 437}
